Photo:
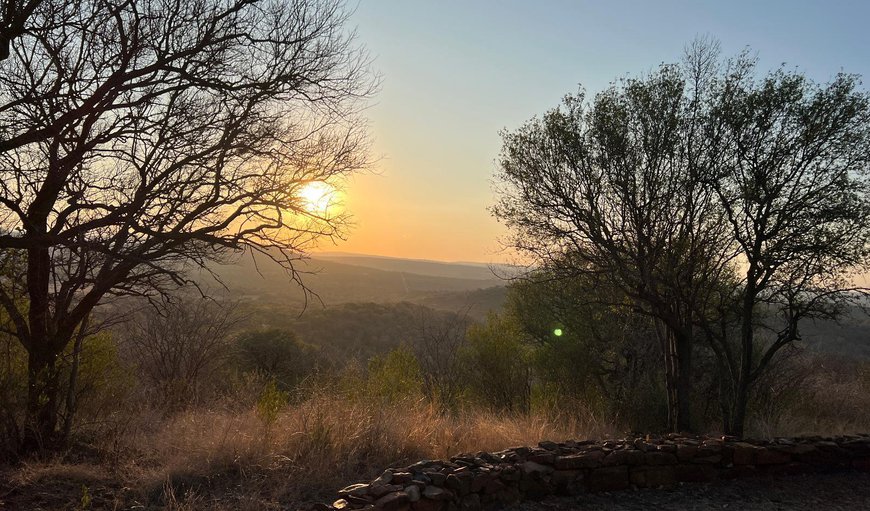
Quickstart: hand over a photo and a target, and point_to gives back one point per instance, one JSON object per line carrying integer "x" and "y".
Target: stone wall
{"x": 484, "y": 480}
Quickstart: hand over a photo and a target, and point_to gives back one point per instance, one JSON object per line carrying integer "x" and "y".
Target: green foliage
{"x": 395, "y": 375}
{"x": 270, "y": 403}
{"x": 103, "y": 383}
{"x": 277, "y": 355}
{"x": 497, "y": 364}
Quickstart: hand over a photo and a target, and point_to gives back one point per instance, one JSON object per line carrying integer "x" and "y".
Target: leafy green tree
{"x": 395, "y": 375}
{"x": 277, "y": 355}
{"x": 602, "y": 356}
{"x": 497, "y": 364}
{"x": 726, "y": 206}
{"x": 789, "y": 166}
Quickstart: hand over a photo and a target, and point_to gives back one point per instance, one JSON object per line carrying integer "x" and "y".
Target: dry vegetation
{"x": 229, "y": 456}
{"x": 239, "y": 459}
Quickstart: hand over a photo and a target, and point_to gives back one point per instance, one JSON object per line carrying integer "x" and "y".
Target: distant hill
{"x": 850, "y": 336}
{"x": 339, "y": 279}
{"x": 461, "y": 270}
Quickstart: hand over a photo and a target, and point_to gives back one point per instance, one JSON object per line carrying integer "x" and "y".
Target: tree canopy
{"x": 710, "y": 196}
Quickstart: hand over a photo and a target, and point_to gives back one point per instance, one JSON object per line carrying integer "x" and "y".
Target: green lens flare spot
{"x": 557, "y": 332}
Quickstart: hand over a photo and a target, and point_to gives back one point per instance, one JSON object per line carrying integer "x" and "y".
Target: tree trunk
{"x": 42, "y": 399}
{"x": 71, "y": 403}
{"x": 684, "y": 382}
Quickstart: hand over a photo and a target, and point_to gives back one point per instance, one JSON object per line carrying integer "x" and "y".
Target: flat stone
{"x": 659, "y": 458}
{"x": 771, "y": 457}
{"x": 429, "y": 505}
{"x": 396, "y": 501}
{"x": 695, "y": 473}
{"x": 590, "y": 459}
{"x": 470, "y": 503}
{"x": 686, "y": 452}
{"x": 623, "y": 457}
{"x": 653, "y": 477}
{"x": 356, "y": 490}
{"x": 401, "y": 478}
{"x": 413, "y": 492}
{"x": 608, "y": 479}
{"x": 436, "y": 493}
{"x": 530, "y": 467}
{"x": 743, "y": 453}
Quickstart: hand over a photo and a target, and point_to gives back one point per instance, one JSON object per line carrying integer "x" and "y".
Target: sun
{"x": 318, "y": 197}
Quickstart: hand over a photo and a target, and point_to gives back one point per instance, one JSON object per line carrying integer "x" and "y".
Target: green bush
{"x": 497, "y": 364}
{"x": 395, "y": 376}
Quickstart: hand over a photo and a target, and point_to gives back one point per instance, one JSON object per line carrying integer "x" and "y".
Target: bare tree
{"x": 437, "y": 348}
{"x": 140, "y": 139}
{"x": 179, "y": 347}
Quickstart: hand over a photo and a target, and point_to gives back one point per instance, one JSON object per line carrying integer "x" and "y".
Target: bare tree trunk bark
{"x": 73, "y": 381}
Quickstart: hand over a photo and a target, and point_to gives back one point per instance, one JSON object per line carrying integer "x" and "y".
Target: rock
{"x": 384, "y": 478}
{"x": 357, "y": 490}
{"x": 653, "y": 477}
{"x": 623, "y": 457}
{"x": 550, "y": 446}
{"x": 743, "y": 453}
{"x": 695, "y": 473}
{"x": 687, "y": 452}
{"x": 568, "y": 482}
{"x": 640, "y": 445}
{"x": 530, "y": 467}
{"x": 510, "y": 473}
{"x": 437, "y": 478}
{"x": 379, "y": 490}
{"x": 429, "y": 505}
{"x": 470, "y": 503}
{"x": 460, "y": 483}
{"x": 590, "y": 459}
{"x": 395, "y": 501}
{"x": 436, "y": 493}
{"x": 545, "y": 458}
{"x": 771, "y": 457}
{"x": 340, "y": 504}
{"x": 401, "y": 478}
{"x": 413, "y": 492}
{"x": 659, "y": 458}
{"x": 608, "y": 479}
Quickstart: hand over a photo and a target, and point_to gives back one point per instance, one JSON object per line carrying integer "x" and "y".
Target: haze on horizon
{"x": 456, "y": 73}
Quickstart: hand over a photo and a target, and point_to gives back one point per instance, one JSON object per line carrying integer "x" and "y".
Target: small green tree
{"x": 395, "y": 375}
{"x": 497, "y": 364}
{"x": 277, "y": 355}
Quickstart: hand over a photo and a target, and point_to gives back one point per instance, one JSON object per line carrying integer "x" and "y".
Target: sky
{"x": 455, "y": 73}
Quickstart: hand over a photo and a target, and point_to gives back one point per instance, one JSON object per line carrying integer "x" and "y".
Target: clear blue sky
{"x": 456, "y": 72}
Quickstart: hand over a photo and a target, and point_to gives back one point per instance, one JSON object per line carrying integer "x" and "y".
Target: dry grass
{"x": 223, "y": 459}
{"x": 227, "y": 458}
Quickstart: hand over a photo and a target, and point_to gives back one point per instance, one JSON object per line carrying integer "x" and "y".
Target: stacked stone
{"x": 470, "y": 482}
